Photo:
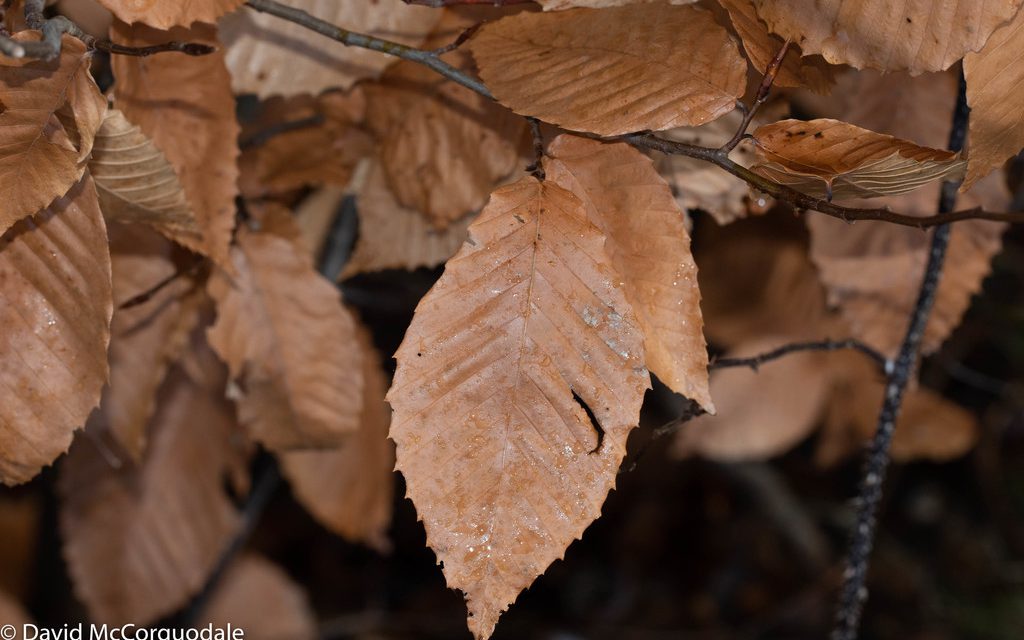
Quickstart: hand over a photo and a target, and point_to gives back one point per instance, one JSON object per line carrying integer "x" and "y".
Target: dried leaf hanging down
{"x": 145, "y": 338}
{"x": 443, "y": 147}
{"x": 137, "y": 184}
{"x": 269, "y": 56}
{"x": 55, "y": 309}
{"x": 166, "y": 95}
{"x": 258, "y": 596}
{"x": 827, "y": 158}
{"x": 395, "y": 237}
{"x": 761, "y": 47}
{"x": 166, "y": 14}
{"x": 996, "y": 125}
{"x": 646, "y": 239}
{"x": 350, "y": 489}
{"x": 915, "y": 36}
{"x": 141, "y": 540}
{"x": 49, "y": 112}
{"x": 517, "y": 383}
{"x": 290, "y": 345}
{"x": 613, "y": 71}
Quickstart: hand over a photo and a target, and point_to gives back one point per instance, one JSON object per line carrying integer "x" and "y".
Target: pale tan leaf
{"x": 612, "y": 71}
{"x": 145, "y": 338}
{"x": 646, "y": 239}
{"x": 395, "y": 237}
{"x": 137, "y": 184}
{"x": 269, "y": 56}
{"x": 141, "y": 540}
{"x": 524, "y": 331}
{"x": 761, "y": 47}
{"x": 41, "y": 159}
{"x": 350, "y": 489}
{"x": 185, "y": 106}
{"x": 760, "y": 413}
{"x": 165, "y": 14}
{"x": 290, "y": 346}
{"x": 834, "y": 159}
{"x": 443, "y": 147}
{"x": 914, "y": 35}
{"x": 258, "y": 597}
{"x": 55, "y": 309}
{"x": 994, "y": 75}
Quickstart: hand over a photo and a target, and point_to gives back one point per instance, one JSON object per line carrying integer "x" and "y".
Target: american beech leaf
{"x": 349, "y": 489}
{"x": 269, "y": 56}
{"x": 40, "y": 157}
{"x": 136, "y": 183}
{"x": 185, "y": 106}
{"x": 140, "y": 540}
{"x": 290, "y": 346}
{"x": 649, "y": 246}
{"x": 612, "y": 71}
{"x": 996, "y": 125}
{"x": 517, "y": 383}
{"x": 55, "y": 309}
{"x": 827, "y": 158}
{"x": 165, "y": 14}
{"x": 914, "y": 35}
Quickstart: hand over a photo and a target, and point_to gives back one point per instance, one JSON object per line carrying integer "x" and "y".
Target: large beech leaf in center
{"x": 525, "y": 331}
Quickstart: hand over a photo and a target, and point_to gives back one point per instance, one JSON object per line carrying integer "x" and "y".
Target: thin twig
{"x": 762, "y": 95}
{"x": 147, "y": 295}
{"x": 536, "y": 168}
{"x": 853, "y": 593}
{"x": 755, "y": 362}
{"x": 188, "y": 48}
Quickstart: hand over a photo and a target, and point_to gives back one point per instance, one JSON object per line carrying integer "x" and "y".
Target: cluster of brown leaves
{"x": 525, "y": 367}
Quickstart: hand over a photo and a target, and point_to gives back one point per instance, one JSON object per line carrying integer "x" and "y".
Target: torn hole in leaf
{"x": 593, "y": 421}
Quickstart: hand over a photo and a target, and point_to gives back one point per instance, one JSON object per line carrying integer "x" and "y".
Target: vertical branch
{"x": 853, "y": 593}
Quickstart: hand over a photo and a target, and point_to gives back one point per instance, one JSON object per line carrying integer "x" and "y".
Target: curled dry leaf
{"x": 166, "y": 14}
{"x": 140, "y": 540}
{"x": 269, "y": 56}
{"x": 443, "y": 147}
{"x": 289, "y": 343}
{"x": 166, "y": 95}
{"x": 646, "y": 239}
{"x": 827, "y": 158}
{"x": 258, "y": 596}
{"x": 49, "y": 113}
{"x": 395, "y": 237}
{"x": 996, "y": 125}
{"x": 517, "y": 383}
{"x": 55, "y": 308}
{"x": 613, "y": 71}
{"x": 915, "y": 35}
{"x": 350, "y": 489}
{"x": 761, "y": 47}
{"x": 136, "y": 183}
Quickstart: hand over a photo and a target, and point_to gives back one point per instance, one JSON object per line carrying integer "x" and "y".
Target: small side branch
{"x": 762, "y": 95}
{"x": 755, "y": 362}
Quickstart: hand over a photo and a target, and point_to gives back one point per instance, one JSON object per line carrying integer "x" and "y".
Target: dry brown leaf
{"x": 55, "y": 308}
{"x": 258, "y": 597}
{"x": 612, "y": 71}
{"x": 49, "y": 112}
{"x": 350, "y": 489}
{"x": 525, "y": 330}
{"x": 395, "y": 237}
{"x": 914, "y": 35}
{"x": 141, "y": 540}
{"x": 137, "y": 184}
{"x": 443, "y": 147}
{"x": 646, "y": 239}
{"x": 165, "y": 14}
{"x": 269, "y": 56}
{"x": 166, "y": 95}
{"x": 993, "y": 77}
{"x": 146, "y": 338}
{"x": 761, "y": 47}
{"x": 290, "y": 346}
{"x": 834, "y": 159}
{"x": 760, "y": 413}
